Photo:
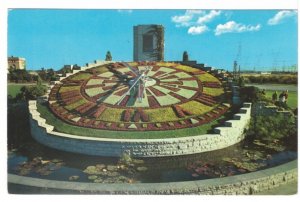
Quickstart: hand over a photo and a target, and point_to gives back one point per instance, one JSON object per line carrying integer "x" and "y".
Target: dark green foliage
{"x": 185, "y": 57}
{"x": 31, "y": 92}
{"x": 48, "y": 74}
{"x": 283, "y": 79}
{"x": 269, "y": 128}
{"x": 108, "y": 56}
{"x": 252, "y": 94}
{"x": 20, "y": 76}
{"x": 18, "y": 129}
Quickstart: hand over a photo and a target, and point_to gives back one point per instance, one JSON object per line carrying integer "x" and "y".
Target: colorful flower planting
{"x": 112, "y": 97}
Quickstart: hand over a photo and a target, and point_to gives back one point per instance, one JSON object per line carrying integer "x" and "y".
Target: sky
{"x": 264, "y": 39}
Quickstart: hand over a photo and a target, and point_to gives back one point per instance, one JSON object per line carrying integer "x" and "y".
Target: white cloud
{"x": 280, "y": 16}
{"x": 208, "y": 17}
{"x": 233, "y": 27}
{"x": 182, "y": 20}
{"x": 195, "y": 30}
{"x": 186, "y": 19}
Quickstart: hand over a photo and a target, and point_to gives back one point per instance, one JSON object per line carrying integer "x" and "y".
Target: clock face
{"x": 163, "y": 86}
{"x": 138, "y": 96}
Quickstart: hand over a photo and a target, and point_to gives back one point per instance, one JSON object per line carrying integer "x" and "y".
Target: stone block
{"x": 247, "y": 104}
{"x": 240, "y": 116}
{"x": 232, "y": 123}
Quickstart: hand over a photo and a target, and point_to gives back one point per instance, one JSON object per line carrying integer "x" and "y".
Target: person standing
{"x": 282, "y": 97}
{"x": 286, "y": 95}
{"x": 274, "y": 97}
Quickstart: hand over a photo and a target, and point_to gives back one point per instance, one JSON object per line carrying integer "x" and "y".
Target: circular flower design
{"x": 138, "y": 96}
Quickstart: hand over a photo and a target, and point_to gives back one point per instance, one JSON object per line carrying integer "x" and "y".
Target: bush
{"x": 252, "y": 94}
{"x": 31, "y": 92}
{"x": 269, "y": 128}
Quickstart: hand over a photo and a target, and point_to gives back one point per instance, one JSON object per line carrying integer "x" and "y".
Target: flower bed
{"x": 176, "y": 99}
{"x": 213, "y": 91}
{"x": 211, "y": 84}
{"x": 207, "y": 78}
{"x": 127, "y": 115}
{"x": 81, "y": 76}
{"x": 180, "y": 112}
{"x": 85, "y": 107}
{"x": 155, "y": 91}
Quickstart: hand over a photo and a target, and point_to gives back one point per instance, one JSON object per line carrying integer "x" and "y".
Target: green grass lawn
{"x": 13, "y": 89}
{"x": 64, "y": 127}
{"x": 292, "y": 99}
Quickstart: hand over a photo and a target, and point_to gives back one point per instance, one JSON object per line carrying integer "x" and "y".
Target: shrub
{"x": 31, "y": 92}
{"x": 268, "y": 128}
{"x": 252, "y": 94}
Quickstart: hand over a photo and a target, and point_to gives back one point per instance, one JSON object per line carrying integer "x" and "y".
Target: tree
{"x": 185, "y": 56}
{"x": 43, "y": 74}
{"x": 31, "y": 92}
{"x": 39, "y": 81}
{"x": 108, "y": 56}
{"x": 19, "y": 75}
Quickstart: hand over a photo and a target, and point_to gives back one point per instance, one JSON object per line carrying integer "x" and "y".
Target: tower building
{"x": 148, "y": 43}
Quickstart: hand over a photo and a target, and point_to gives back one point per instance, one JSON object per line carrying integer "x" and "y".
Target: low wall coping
{"x": 246, "y": 182}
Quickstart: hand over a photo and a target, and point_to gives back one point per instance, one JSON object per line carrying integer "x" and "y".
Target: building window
{"x": 147, "y": 43}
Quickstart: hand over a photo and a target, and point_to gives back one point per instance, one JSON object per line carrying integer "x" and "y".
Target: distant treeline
{"x": 24, "y": 76}
{"x": 282, "y": 79}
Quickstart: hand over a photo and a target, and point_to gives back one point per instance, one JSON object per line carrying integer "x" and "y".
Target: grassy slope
{"x": 81, "y": 131}
{"x": 13, "y": 90}
{"x": 292, "y": 99}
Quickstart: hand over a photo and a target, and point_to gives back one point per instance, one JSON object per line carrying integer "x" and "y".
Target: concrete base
{"x": 224, "y": 137}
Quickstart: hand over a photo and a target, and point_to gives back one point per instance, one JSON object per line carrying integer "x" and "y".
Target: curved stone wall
{"x": 231, "y": 133}
{"x": 250, "y": 183}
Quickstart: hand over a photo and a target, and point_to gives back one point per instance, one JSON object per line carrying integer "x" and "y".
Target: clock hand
{"x": 141, "y": 90}
{"x": 131, "y": 69}
{"x": 133, "y": 85}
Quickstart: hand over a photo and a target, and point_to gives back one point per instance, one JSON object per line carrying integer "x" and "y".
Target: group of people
{"x": 282, "y": 97}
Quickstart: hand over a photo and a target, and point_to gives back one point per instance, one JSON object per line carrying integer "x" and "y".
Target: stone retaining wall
{"x": 231, "y": 133}
{"x": 250, "y": 183}
{"x": 263, "y": 109}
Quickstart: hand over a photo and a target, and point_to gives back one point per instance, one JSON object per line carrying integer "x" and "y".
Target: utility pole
{"x": 257, "y": 62}
{"x": 236, "y": 67}
{"x": 275, "y": 60}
